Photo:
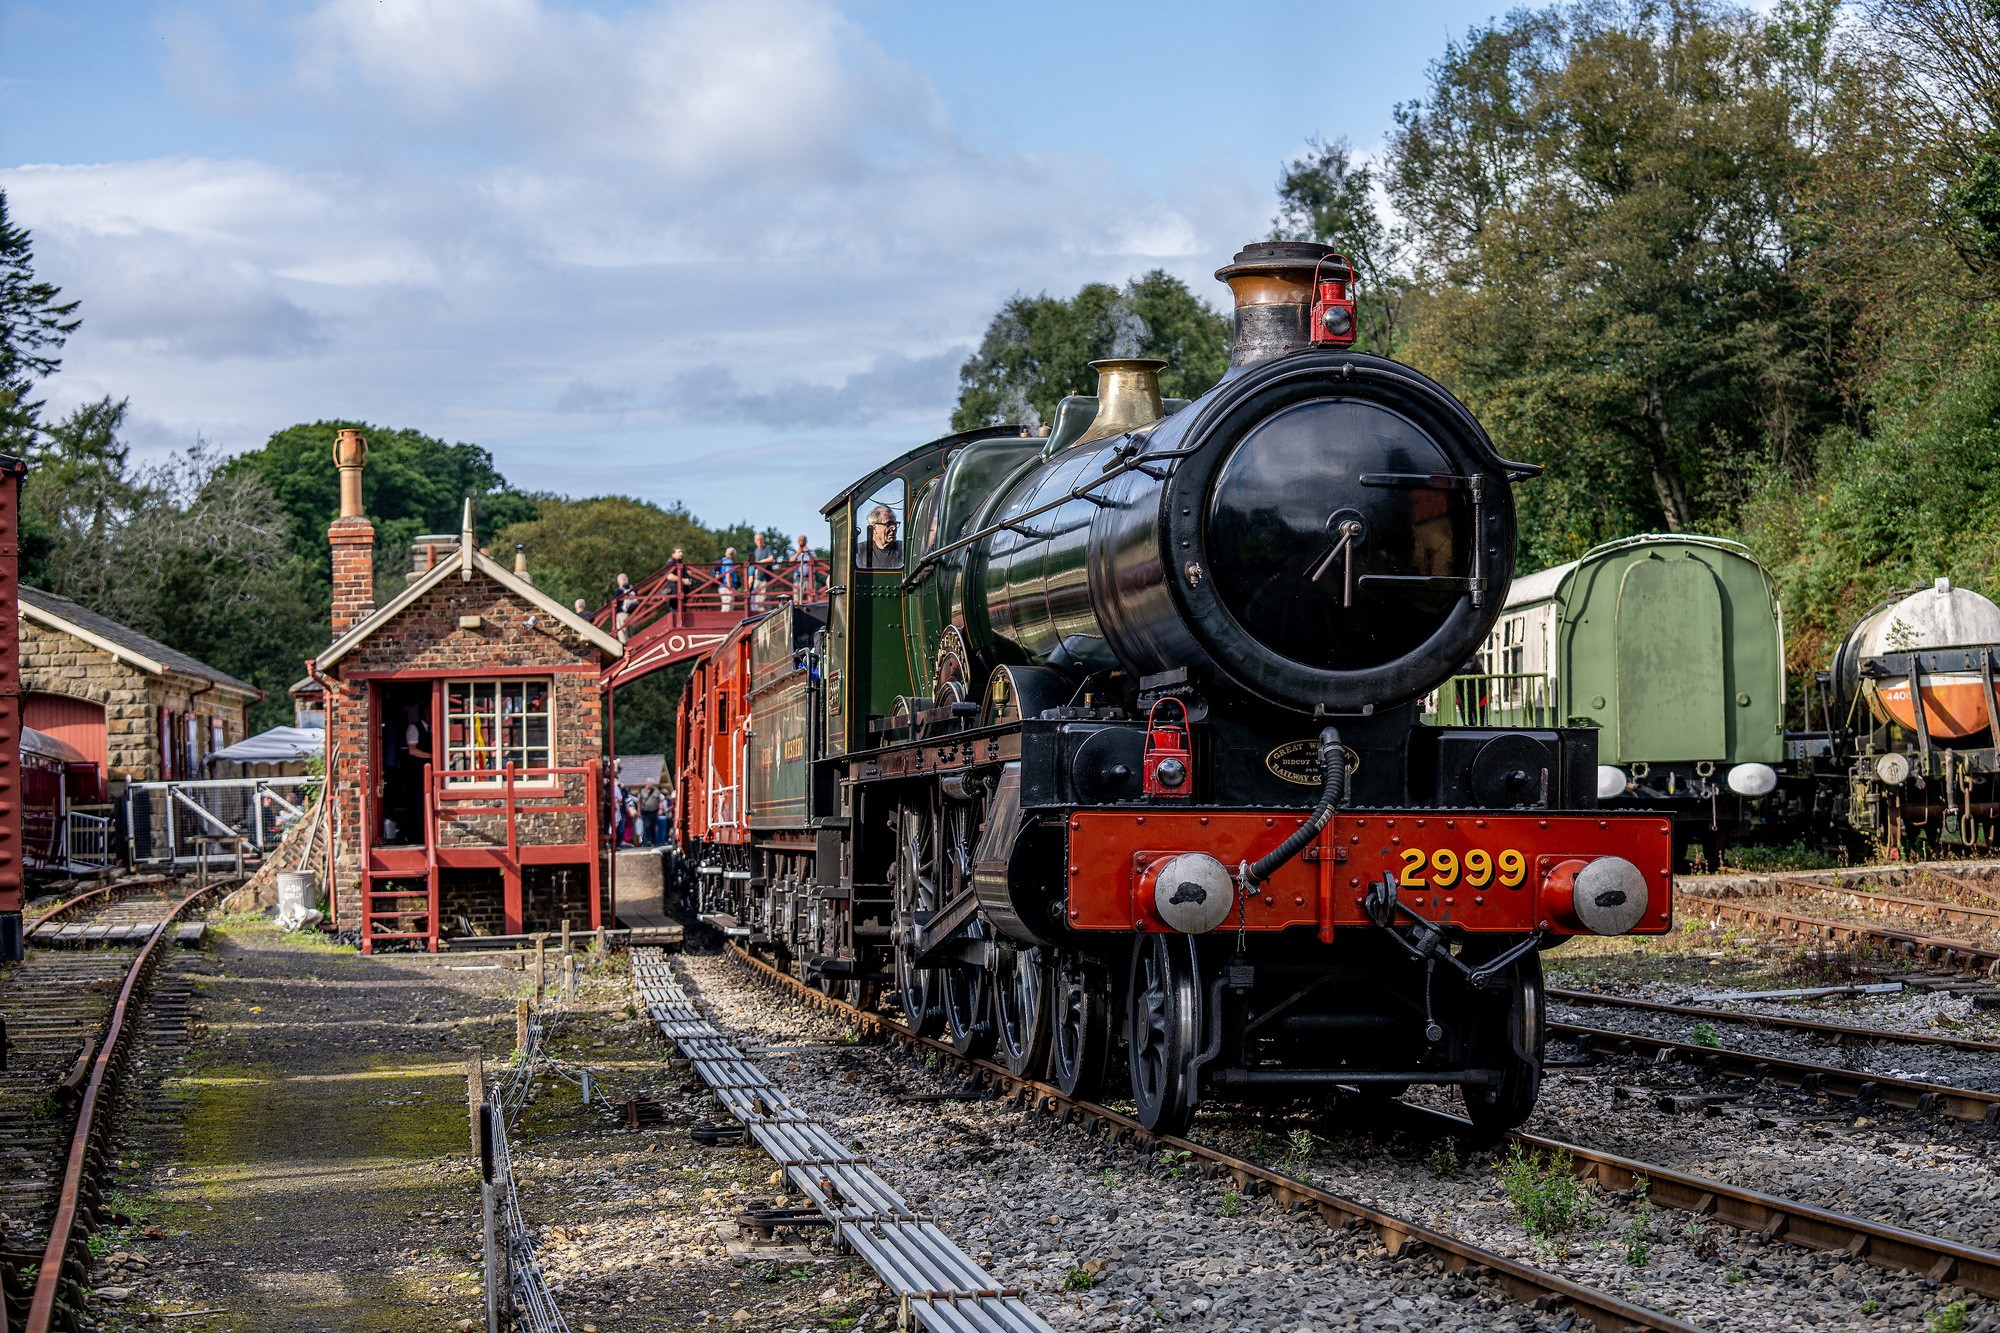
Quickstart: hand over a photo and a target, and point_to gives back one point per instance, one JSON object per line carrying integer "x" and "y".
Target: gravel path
{"x": 317, "y": 1172}
{"x": 1922, "y": 1012}
{"x": 632, "y": 1226}
{"x": 1928, "y": 1174}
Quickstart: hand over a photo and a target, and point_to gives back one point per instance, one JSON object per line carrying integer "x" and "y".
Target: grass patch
{"x": 1640, "y": 1229}
{"x": 1949, "y": 1318}
{"x": 1764, "y": 858}
{"x": 1079, "y": 1279}
{"x": 1545, "y": 1193}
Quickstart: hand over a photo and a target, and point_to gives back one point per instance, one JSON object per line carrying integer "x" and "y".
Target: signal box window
{"x": 878, "y": 524}
{"x": 495, "y": 724}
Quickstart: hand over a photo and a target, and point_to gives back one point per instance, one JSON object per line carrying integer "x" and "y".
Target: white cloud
{"x": 579, "y": 239}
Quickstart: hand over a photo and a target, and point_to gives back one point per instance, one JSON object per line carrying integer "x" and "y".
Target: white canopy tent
{"x": 278, "y": 746}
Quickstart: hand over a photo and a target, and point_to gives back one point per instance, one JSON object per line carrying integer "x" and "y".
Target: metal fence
{"x": 518, "y": 1295}
{"x": 87, "y": 839}
{"x": 179, "y": 822}
{"x": 1496, "y": 699}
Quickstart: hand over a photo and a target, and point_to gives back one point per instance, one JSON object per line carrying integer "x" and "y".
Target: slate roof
{"x": 122, "y": 641}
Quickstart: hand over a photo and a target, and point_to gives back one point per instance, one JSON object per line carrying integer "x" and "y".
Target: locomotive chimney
{"x": 352, "y": 537}
{"x": 1128, "y": 396}
{"x": 1272, "y": 282}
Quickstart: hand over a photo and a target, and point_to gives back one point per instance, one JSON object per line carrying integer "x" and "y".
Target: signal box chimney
{"x": 352, "y": 537}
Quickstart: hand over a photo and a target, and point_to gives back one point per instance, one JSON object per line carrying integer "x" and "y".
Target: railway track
{"x": 1963, "y": 955}
{"x": 1820, "y": 1080}
{"x": 1769, "y": 1216}
{"x": 71, "y": 1014}
{"x": 1837, "y": 1033}
{"x": 1521, "y": 1281}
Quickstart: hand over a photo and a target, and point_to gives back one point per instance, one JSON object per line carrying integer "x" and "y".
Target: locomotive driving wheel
{"x": 968, "y": 1009}
{"x": 1514, "y": 1039}
{"x": 1021, "y": 1011}
{"x": 1163, "y": 1030}
{"x": 968, "y": 988}
{"x": 1079, "y": 1025}
{"x": 916, "y": 889}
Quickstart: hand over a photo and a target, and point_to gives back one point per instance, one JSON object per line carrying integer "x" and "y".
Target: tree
{"x": 1602, "y": 201}
{"x": 34, "y": 324}
{"x": 187, "y": 551}
{"x": 413, "y": 484}
{"x": 1325, "y": 196}
{"x": 578, "y": 548}
{"x": 1038, "y": 349}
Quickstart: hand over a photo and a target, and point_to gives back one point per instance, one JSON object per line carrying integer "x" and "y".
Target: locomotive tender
{"x": 1113, "y": 732}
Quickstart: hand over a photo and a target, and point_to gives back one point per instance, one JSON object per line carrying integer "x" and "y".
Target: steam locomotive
{"x": 1113, "y": 732}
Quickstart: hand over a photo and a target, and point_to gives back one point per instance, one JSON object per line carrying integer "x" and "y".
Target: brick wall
{"x": 426, "y": 636}
{"x": 53, "y": 662}
{"x": 551, "y": 894}
{"x": 353, "y": 541}
{"x": 472, "y": 899}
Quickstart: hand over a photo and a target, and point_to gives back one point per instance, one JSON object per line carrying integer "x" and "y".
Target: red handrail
{"x": 688, "y": 587}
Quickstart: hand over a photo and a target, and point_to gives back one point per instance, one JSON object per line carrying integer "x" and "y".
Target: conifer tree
{"x": 34, "y": 324}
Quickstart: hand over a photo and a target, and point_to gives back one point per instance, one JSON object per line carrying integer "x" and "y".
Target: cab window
{"x": 878, "y": 524}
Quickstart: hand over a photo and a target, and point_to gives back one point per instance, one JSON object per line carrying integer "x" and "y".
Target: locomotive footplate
{"x": 1479, "y": 872}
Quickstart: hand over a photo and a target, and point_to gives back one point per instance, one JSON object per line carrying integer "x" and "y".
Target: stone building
{"x": 465, "y": 737}
{"x": 137, "y": 708}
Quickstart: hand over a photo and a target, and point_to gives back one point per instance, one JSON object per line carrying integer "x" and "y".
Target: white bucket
{"x": 298, "y": 890}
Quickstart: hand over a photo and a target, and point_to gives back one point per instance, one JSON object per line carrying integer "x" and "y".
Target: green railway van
{"x": 1672, "y": 646}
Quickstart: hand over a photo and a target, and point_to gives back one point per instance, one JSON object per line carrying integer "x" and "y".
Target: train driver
{"x": 882, "y": 550}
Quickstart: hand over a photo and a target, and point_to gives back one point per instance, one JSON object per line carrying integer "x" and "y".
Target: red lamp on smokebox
{"x": 1167, "y": 772}
{"x": 1333, "y": 303}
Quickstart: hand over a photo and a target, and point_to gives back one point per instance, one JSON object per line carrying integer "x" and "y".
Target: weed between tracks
{"x": 1552, "y": 1203}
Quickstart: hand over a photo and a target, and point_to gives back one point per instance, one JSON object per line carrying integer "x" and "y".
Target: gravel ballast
{"x": 1046, "y": 1200}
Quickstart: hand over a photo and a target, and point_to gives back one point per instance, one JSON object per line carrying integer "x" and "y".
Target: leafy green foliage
{"x": 413, "y": 484}
{"x": 1597, "y": 194}
{"x": 1916, "y": 498}
{"x": 187, "y": 551}
{"x": 1639, "y": 1230}
{"x": 1038, "y": 349}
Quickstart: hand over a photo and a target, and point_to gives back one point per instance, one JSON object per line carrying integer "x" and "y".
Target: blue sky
{"x": 725, "y": 253}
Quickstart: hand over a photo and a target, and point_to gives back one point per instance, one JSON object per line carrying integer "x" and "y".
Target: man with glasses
{"x": 881, "y": 548}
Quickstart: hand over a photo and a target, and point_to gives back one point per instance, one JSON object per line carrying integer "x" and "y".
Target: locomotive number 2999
{"x": 1443, "y": 868}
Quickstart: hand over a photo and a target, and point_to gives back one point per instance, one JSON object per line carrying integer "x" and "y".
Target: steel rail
{"x": 1960, "y": 954}
{"x": 1520, "y": 1281}
{"x": 1838, "y": 1032}
{"x": 1904, "y": 1093}
{"x": 1980, "y": 917}
{"x": 1774, "y": 1218}
{"x": 937, "y": 1284}
{"x": 84, "y": 1140}
{"x": 89, "y": 898}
